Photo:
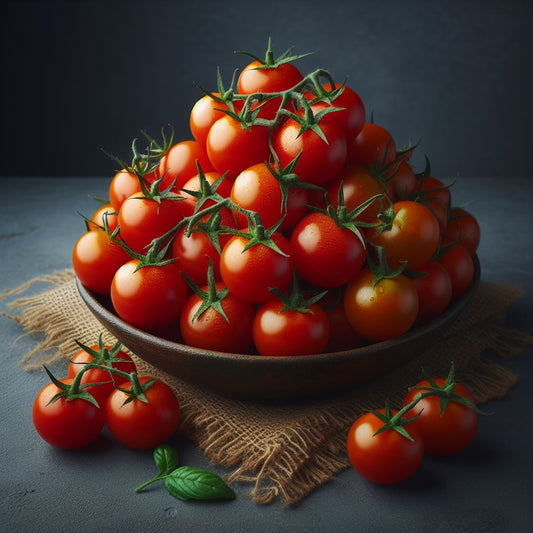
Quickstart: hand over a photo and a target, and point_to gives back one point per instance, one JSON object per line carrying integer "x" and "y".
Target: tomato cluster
{"x": 102, "y": 387}
{"x": 287, "y": 225}
{"x": 438, "y": 417}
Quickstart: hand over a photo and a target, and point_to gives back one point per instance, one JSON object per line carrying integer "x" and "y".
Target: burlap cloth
{"x": 284, "y": 451}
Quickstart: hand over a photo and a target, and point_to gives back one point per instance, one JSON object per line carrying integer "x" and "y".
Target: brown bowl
{"x": 275, "y": 379}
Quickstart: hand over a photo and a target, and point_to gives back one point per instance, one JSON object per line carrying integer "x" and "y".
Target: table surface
{"x": 487, "y": 487}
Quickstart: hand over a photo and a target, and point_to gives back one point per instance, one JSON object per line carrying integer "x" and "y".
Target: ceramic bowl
{"x": 275, "y": 379}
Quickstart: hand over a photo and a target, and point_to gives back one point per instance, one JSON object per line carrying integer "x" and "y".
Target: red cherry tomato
{"x": 106, "y": 211}
{"x": 150, "y": 298}
{"x": 434, "y": 288}
{"x": 464, "y": 229}
{"x": 249, "y": 273}
{"x": 460, "y": 266}
{"x": 387, "y": 457}
{"x": 123, "y": 185}
{"x": 373, "y": 146}
{"x": 288, "y": 333}
{"x": 95, "y": 259}
{"x": 143, "y": 425}
{"x": 232, "y": 147}
{"x": 320, "y": 162}
{"x": 211, "y": 330}
{"x": 67, "y": 424}
{"x": 325, "y": 254}
{"x": 445, "y": 434}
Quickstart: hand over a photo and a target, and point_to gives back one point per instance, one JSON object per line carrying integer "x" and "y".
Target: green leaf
{"x": 190, "y": 483}
{"x": 166, "y": 459}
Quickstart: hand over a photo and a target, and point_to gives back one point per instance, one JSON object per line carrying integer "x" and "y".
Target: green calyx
{"x": 257, "y": 234}
{"x": 270, "y": 61}
{"x": 211, "y": 298}
{"x": 74, "y": 391}
{"x": 104, "y": 355}
{"x": 395, "y": 422}
{"x": 446, "y": 393}
{"x": 137, "y": 390}
{"x": 295, "y": 300}
{"x": 380, "y": 268}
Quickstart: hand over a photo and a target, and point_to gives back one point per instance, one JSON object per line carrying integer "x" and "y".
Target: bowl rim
{"x": 94, "y": 303}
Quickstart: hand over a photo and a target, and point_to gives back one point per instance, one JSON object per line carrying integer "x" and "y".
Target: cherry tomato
{"x": 150, "y": 298}
{"x": 95, "y": 259}
{"x": 373, "y": 146}
{"x": 123, "y": 185}
{"x": 437, "y": 197}
{"x": 326, "y": 254}
{"x": 342, "y": 335}
{"x": 143, "y": 219}
{"x": 460, "y": 266}
{"x": 97, "y": 220}
{"x": 464, "y": 229}
{"x": 97, "y": 375}
{"x": 232, "y": 148}
{"x": 256, "y": 189}
{"x": 387, "y": 457}
{"x": 434, "y": 288}
{"x": 350, "y": 117}
{"x": 287, "y": 333}
{"x": 193, "y": 252}
{"x": 411, "y": 235}
{"x": 380, "y": 311}
{"x": 258, "y": 78}
{"x": 320, "y": 162}
{"x": 249, "y": 273}
{"x": 401, "y": 180}
{"x": 359, "y": 184}
{"x": 143, "y": 425}
{"x": 205, "y": 112}
{"x": 450, "y": 432}
{"x": 211, "y": 330}
{"x": 67, "y": 424}
{"x": 179, "y": 163}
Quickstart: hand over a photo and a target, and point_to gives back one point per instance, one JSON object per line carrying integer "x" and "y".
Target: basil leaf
{"x": 166, "y": 458}
{"x": 190, "y": 483}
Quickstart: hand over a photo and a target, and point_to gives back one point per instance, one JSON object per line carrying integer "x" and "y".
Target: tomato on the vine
{"x": 257, "y": 189}
{"x": 105, "y": 212}
{"x": 434, "y": 288}
{"x": 95, "y": 259}
{"x": 382, "y": 310}
{"x": 459, "y": 265}
{"x": 320, "y": 161}
{"x": 123, "y": 185}
{"x": 350, "y": 114}
{"x": 409, "y": 233}
{"x": 326, "y": 254}
{"x": 142, "y": 423}
{"x": 446, "y": 425}
{"x": 233, "y": 147}
{"x": 180, "y": 163}
{"x": 258, "y": 77}
{"x": 249, "y": 271}
{"x": 111, "y": 356}
{"x": 148, "y": 297}
{"x": 358, "y": 184}
{"x": 211, "y": 330}
{"x": 66, "y": 423}
{"x": 374, "y": 145}
{"x": 387, "y": 457}
{"x": 464, "y": 229}
{"x": 143, "y": 219}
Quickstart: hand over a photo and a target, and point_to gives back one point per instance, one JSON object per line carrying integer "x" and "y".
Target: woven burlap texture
{"x": 284, "y": 451}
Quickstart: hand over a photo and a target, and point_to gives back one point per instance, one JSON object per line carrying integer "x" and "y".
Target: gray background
{"x": 82, "y": 75}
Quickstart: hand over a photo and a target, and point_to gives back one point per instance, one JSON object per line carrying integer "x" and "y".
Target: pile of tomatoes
{"x": 288, "y": 224}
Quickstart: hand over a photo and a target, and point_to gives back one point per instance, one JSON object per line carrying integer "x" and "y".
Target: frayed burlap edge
{"x": 285, "y": 451}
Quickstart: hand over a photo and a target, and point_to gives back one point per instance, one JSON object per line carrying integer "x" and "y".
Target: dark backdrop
{"x": 82, "y": 75}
